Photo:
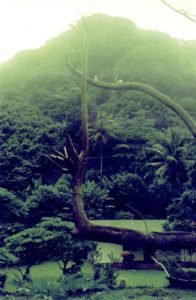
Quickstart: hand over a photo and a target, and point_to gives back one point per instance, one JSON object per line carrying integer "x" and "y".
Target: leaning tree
{"x": 84, "y": 228}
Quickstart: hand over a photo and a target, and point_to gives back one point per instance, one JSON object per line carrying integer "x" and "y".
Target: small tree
{"x": 129, "y": 191}
{"x": 50, "y": 200}
{"x": 52, "y": 238}
{"x": 99, "y": 133}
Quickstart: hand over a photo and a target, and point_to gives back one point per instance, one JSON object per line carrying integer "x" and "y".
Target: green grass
{"x": 142, "y": 285}
{"x": 47, "y": 270}
{"x": 152, "y": 225}
{"x": 144, "y": 278}
{"x": 50, "y": 271}
{"x": 143, "y": 294}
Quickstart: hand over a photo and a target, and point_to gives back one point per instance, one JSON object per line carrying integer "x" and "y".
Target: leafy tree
{"x": 129, "y": 192}
{"x": 52, "y": 238}
{"x": 12, "y": 207}
{"x": 23, "y": 146}
{"x": 99, "y": 134}
{"x": 50, "y": 200}
{"x": 98, "y": 202}
{"x": 181, "y": 212}
{"x": 170, "y": 162}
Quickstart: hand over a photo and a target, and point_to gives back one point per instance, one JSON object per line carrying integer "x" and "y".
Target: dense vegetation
{"x": 142, "y": 158}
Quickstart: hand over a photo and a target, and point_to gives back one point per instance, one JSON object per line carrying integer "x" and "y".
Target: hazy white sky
{"x": 26, "y": 24}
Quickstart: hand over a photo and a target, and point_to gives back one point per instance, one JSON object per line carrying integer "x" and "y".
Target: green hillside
{"x": 40, "y": 104}
{"x": 141, "y": 165}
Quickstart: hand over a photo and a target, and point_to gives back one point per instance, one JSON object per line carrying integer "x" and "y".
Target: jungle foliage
{"x": 137, "y": 162}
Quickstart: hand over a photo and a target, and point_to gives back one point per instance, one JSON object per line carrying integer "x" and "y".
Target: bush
{"x": 122, "y": 283}
{"x": 129, "y": 190}
{"x": 104, "y": 275}
{"x": 50, "y": 200}
{"x": 123, "y": 215}
{"x": 182, "y": 212}
{"x": 96, "y": 199}
{"x": 12, "y": 208}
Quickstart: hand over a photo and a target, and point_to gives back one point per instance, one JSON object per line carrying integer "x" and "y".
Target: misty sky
{"x": 26, "y": 24}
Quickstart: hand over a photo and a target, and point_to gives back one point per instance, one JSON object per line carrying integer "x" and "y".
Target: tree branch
{"x": 73, "y": 149}
{"x": 182, "y": 12}
{"x": 146, "y": 89}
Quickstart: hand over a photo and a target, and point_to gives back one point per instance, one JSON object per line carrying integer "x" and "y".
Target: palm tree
{"x": 100, "y": 132}
{"x": 170, "y": 161}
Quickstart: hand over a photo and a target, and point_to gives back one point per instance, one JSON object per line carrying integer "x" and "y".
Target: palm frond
{"x": 171, "y": 159}
{"x": 154, "y": 164}
{"x": 161, "y": 171}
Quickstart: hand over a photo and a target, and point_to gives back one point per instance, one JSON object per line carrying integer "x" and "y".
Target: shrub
{"x": 122, "y": 283}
